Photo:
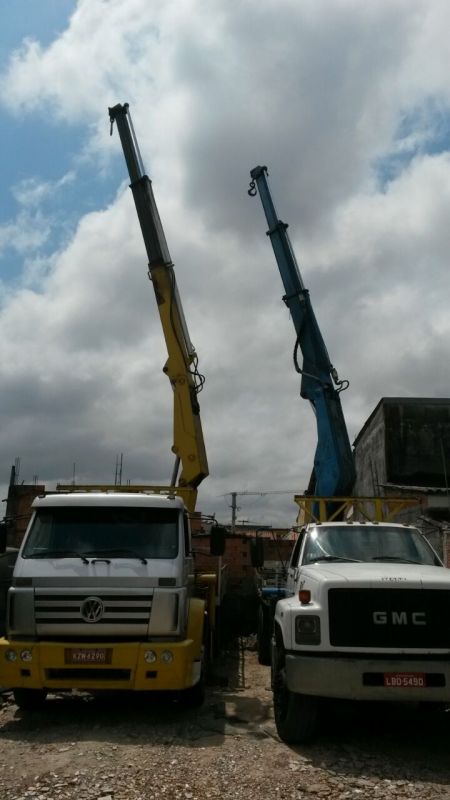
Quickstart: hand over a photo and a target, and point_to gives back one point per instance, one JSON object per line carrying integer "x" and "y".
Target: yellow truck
{"x": 103, "y": 597}
{"x": 104, "y": 593}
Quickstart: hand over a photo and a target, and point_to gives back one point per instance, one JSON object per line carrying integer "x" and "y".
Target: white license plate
{"x": 405, "y": 680}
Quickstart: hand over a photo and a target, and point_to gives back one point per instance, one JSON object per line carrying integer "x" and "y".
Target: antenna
{"x": 118, "y": 475}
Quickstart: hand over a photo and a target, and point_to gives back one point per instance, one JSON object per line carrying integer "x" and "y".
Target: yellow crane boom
{"x": 182, "y": 364}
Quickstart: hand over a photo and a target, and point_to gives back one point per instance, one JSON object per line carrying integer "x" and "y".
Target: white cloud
{"x": 32, "y": 191}
{"x": 26, "y": 232}
{"x": 32, "y": 226}
{"x": 319, "y": 92}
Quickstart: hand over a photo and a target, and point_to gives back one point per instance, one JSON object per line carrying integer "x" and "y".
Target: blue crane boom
{"x": 334, "y": 471}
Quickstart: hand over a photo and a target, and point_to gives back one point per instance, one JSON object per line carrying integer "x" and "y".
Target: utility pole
{"x": 234, "y": 510}
{"x": 118, "y": 475}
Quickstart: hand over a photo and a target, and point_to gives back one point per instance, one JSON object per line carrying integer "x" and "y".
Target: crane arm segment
{"x": 181, "y": 366}
{"x": 334, "y": 472}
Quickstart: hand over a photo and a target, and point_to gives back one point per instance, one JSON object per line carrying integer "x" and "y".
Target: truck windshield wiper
{"x": 58, "y": 554}
{"x": 400, "y": 559}
{"x": 119, "y": 552}
{"x": 335, "y": 558}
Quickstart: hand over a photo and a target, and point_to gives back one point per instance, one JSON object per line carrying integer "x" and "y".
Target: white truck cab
{"x": 364, "y": 618}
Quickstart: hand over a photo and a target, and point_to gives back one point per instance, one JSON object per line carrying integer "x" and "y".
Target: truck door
{"x": 293, "y": 565}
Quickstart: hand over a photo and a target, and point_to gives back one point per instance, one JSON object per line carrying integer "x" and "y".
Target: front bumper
{"x": 51, "y": 668}
{"x": 362, "y": 678}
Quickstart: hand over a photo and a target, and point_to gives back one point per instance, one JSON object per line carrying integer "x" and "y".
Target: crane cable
{"x": 341, "y": 385}
{"x": 197, "y": 377}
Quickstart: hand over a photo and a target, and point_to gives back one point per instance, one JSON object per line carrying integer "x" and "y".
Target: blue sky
{"x": 423, "y": 130}
{"x": 38, "y": 147}
{"x": 25, "y": 18}
{"x": 348, "y": 105}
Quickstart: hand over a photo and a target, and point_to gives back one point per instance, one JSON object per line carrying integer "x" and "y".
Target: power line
{"x": 234, "y": 495}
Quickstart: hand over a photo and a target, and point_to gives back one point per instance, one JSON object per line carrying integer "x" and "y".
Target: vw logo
{"x": 92, "y": 609}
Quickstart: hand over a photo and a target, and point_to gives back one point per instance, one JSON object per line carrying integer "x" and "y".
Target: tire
{"x": 194, "y": 697}
{"x": 263, "y": 636}
{"x": 29, "y": 699}
{"x": 296, "y": 715}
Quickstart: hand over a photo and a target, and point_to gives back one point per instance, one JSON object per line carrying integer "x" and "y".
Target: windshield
{"x": 368, "y": 543}
{"x": 130, "y": 532}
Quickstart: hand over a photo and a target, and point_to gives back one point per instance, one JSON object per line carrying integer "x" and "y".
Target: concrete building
{"x": 403, "y": 449}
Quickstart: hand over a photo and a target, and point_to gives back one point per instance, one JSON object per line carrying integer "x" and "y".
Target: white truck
{"x": 365, "y": 617}
{"x": 103, "y": 597}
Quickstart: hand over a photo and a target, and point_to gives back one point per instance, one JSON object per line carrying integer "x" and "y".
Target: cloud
{"x": 31, "y": 229}
{"x": 327, "y": 95}
{"x": 25, "y": 233}
{"x": 32, "y": 192}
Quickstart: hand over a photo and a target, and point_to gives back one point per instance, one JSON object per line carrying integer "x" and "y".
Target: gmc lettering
{"x": 399, "y": 618}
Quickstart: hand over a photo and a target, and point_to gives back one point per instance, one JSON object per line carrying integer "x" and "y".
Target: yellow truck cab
{"x": 103, "y": 597}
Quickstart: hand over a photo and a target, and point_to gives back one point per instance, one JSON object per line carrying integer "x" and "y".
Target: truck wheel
{"x": 194, "y": 697}
{"x": 263, "y": 636}
{"x": 295, "y": 714}
{"x": 29, "y": 699}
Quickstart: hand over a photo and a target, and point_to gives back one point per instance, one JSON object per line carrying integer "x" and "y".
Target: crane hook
{"x": 252, "y": 190}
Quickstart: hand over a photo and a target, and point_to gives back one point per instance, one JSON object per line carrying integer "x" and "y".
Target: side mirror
{"x": 257, "y": 552}
{"x": 217, "y": 540}
{"x": 3, "y": 536}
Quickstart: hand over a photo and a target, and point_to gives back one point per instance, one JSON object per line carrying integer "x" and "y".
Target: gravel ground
{"x": 125, "y": 748}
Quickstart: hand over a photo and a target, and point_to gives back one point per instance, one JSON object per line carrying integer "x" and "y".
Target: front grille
{"x": 389, "y": 618}
{"x": 88, "y": 674}
{"x": 58, "y": 612}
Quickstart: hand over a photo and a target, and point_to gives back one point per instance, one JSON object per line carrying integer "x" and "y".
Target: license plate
{"x": 405, "y": 680}
{"x": 87, "y": 655}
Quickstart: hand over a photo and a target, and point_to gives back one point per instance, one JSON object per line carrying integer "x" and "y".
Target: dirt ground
{"x": 131, "y": 748}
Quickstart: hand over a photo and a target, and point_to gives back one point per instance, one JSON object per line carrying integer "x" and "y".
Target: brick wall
{"x": 236, "y": 560}
{"x": 18, "y": 510}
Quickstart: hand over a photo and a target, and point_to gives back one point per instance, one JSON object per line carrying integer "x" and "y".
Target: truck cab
{"x": 103, "y": 597}
{"x": 362, "y": 620}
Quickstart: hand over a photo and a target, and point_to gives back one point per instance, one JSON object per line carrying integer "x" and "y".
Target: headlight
{"x": 150, "y": 656}
{"x": 26, "y": 655}
{"x": 167, "y": 656}
{"x": 307, "y": 629}
{"x": 11, "y": 655}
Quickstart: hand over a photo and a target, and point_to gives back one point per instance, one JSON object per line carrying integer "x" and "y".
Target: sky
{"x": 347, "y": 103}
